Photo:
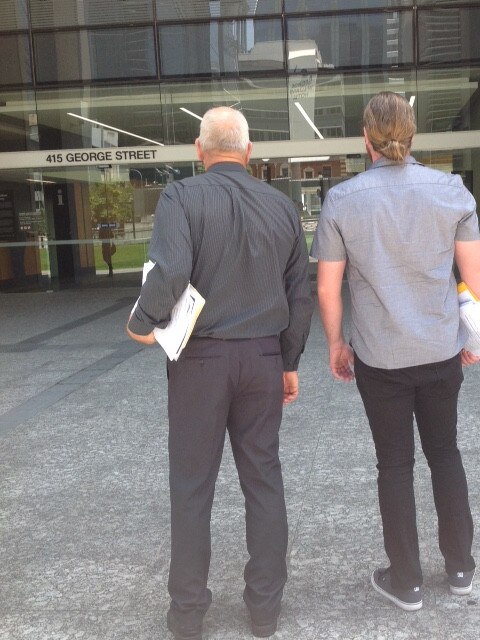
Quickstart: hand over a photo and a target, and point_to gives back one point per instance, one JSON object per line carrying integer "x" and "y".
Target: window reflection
{"x": 263, "y": 101}
{"x": 18, "y": 121}
{"x": 329, "y": 5}
{"x": 13, "y": 15}
{"x": 448, "y": 35}
{"x": 450, "y": 2}
{"x": 374, "y": 39}
{"x": 221, "y": 47}
{"x": 133, "y": 109}
{"x": 186, "y": 9}
{"x": 70, "y": 13}
{"x": 15, "y": 56}
{"x": 444, "y": 99}
{"x": 95, "y": 55}
{"x": 332, "y": 104}
{"x": 448, "y": 100}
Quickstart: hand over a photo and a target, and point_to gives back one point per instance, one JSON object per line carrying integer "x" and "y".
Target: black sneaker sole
{"x": 406, "y": 606}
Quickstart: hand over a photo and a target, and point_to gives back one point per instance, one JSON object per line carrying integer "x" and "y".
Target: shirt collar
{"x": 218, "y": 167}
{"x": 385, "y": 162}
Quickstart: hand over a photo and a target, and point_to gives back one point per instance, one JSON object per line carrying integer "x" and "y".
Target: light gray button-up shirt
{"x": 396, "y": 225}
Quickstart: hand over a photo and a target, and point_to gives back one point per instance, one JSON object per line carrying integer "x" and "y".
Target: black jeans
{"x": 391, "y": 398}
{"x": 220, "y": 385}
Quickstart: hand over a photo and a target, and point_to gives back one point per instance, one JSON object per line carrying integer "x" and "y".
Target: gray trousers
{"x": 215, "y": 386}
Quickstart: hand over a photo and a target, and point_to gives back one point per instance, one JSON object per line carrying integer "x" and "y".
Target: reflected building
{"x": 136, "y": 75}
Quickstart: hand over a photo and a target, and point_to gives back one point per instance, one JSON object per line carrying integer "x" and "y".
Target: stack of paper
{"x": 175, "y": 335}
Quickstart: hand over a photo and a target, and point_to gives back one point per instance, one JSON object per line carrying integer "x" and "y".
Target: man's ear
{"x": 368, "y": 144}
{"x": 198, "y": 147}
{"x": 365, "y": 137}
{"x": 248, "y": 152}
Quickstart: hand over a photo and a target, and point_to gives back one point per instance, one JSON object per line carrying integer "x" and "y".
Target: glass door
{"x": 91, "y": 225}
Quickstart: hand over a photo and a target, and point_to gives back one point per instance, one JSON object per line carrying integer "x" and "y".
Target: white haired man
{"x": 241, "y": 244}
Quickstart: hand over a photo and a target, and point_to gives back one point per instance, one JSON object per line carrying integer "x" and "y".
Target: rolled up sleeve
{"x": 328, "y": 243}
{"x": 467, "y": 228}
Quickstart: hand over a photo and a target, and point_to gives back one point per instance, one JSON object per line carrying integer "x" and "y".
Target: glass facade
{"x": 349, "y": 41}
{"x": 100, "y": 105}
{"x": 221, "y": 48}
{"x": 47, "y": 14}
{"x": 100, "y": 54}
{"x": 16, "y": 68}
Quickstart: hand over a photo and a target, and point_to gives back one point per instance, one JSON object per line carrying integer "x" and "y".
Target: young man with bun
{"x": 397, "y": 230}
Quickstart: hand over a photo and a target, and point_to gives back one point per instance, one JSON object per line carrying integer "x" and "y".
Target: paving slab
{"x": 84, "y": 505}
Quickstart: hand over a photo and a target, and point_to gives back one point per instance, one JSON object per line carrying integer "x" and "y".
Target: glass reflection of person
{"x": 18, "y": 255}
{"x": 105, "y": 234}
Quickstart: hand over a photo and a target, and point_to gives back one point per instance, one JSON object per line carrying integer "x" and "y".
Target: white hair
{"x": 224, "y": 129}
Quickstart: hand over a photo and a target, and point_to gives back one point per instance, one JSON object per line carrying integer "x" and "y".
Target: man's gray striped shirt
{"x": 241, "y": 244}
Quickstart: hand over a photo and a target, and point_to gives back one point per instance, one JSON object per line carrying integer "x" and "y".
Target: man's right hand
{"x": 148, "y": 339}
{"x": 290, "y": 386}
{"x": 468, "y": 358}
{"x": 341, "y": 362}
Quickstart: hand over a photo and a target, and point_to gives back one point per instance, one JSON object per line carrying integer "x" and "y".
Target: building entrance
{"x": 90, "y": 225}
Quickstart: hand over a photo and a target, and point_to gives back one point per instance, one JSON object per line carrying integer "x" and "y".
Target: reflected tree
{"x": 111, "y": 202}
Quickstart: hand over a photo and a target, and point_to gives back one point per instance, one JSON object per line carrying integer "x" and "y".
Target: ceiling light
{"x": 302, "y": 53}
{"x": 308, "y": 119}
{"x": 40, "y": 180}
{"x": 310, "y": 159}
{"x": 412, "y": 101}
{"x": 190, "y": 113}
{"x": 107, "y": 126}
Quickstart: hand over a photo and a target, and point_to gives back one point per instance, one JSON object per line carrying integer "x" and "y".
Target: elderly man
{"x": 397, "y": 228}
{"x": 241, "y": 244}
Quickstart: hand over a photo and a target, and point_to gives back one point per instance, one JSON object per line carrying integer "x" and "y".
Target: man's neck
{"x": 215, "y": 158}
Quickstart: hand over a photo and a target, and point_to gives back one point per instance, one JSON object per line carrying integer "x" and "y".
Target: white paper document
{"x": 183, "y": 317}
{"x": 175, "y": 335}
{"x": 470, "y": 318}
{"x": 146, "y": 268}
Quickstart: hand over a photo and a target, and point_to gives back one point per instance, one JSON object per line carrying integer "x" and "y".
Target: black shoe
{"x": 461, "y": 582}
{"x": 264, "y": 629}
{"x": 182, "y": 631}
{"x": 406, "y": 599}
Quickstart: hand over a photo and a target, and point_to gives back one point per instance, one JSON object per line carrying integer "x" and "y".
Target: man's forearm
{"x": 473, "y": 283}
{"x": 331, "y": 314}
{"x": 340, "y": 354}
{"x": 329, "y": 290}
{"x": 467, "y": 257}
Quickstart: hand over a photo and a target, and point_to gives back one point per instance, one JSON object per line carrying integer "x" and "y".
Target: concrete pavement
{"x": 84, "y": 507}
